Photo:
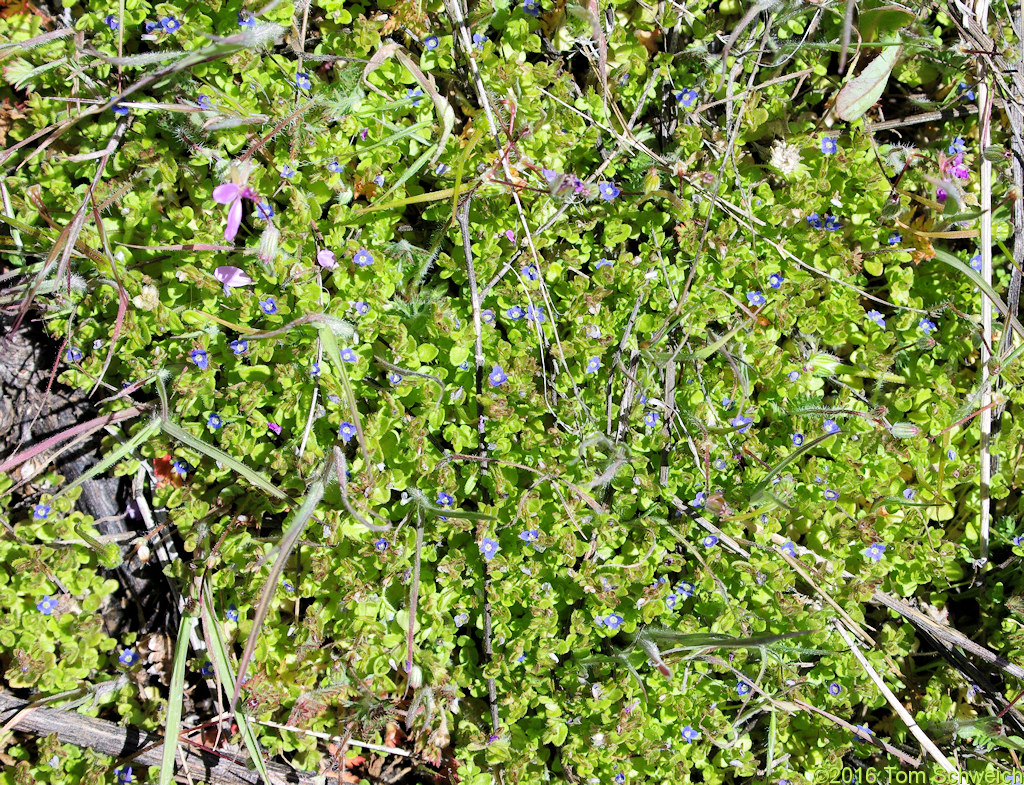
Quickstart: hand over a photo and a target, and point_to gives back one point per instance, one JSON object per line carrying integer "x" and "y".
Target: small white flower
{"x": 148, "y": 300}
{"x": 785, "y": 158}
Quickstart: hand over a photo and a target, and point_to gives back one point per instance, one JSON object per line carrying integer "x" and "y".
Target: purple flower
{"x": 346, "y": 431}
{"x": 381, "y": 545}
{"x": 909, "y": 494}
{"x": 834, "y": 688}
{"x": 240, "y": 346}
{"x": 207, "y": 669}
{"x": 831, "y": 223}
{"x": 775, "y": 280}
{"x": 651, "y": 419}
{"x": 926, "y": 325}
{"x": 111, "y": 21}
{"x": 268, "y": 306}
{"x": 431, "y": 42}
{"x": 169, "y": 24}
{"x": 875, "y": 552}
{"x": 951, "y": 454}
{"x": 120, "y": 110}
{"x": 231, "y": 277}
{"x": 325, "y": 259}
{"x": 863, "y": 730}
{"x": 441, "y": 169}
{"x": 831, "y": 495}
{"x": 966, "y": 91}
{"x": 742, "y": 688}
{"x": 47, "y": 605}
{"x": 264, "y": 211}
{"x": 741, "y": 422}
{"x": 793, "y": 375}
{"x": 620, "y": 778}
{"x": 535, "y": 313}
{"x": 348, "y": 355}
{"x": 489, "y": 547}
{"x": 830, "y": 426}
{"x": 895, "y": 238}
{"x": 479, "y": 39}
{"x": 877, "y": 318}
{"x": 181, "y": 468}
{"x": 362, "y": 308}
{"x": 549, "y": 174}
{"x": 287, "y": 172}
{"x": 123, "y": 775}
{"x": 302, "y": 80}
{"x": 214, "y": 421}
{"x": 815, "y": 220}
{"x": 941, "y": 195}
{"x": 828, "y": 145}
{"x": 529, "y": 535}
{"x": 232, "y": 613}
{"x": 497, "y": 376}
{"x": 515, "y": 312}
{"x": 73, "y": 354}
{"x": 603, "y": 263}
{"x": 608, "y": 191}
{"x": 1018, "y": 540}
{"x": 720, "y": 464}
{"x": 229, "y": 193}
{"x": 151, "y": 26}
{"x": 613, "y": 621}
{"x": 379, "y": 179}
{"x": 699, "y": 500}
{"x": 710, "y": 541}
{"x": 789, "y": 548}
{"x": 245, "y": 19}
{"x": 363, "y": 258}
{"x": 274, "y": 428}
{"x": 756, "y": 298}
{"x": 128, "y": 657}
{"x": 594, "y": 365}
{"x": 204, "y": 102}
{"x": 976, "y": 262}
{"x": 689, "y": 734}
{"x": 200, "y": 358}
{"x": 687, "y": 98}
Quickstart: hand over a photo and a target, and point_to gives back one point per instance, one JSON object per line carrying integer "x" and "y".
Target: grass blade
{"x": 174, "y": 699}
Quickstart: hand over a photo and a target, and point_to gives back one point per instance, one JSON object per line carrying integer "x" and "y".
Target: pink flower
{"x": 326, "y": 259}
{"x": 231, "y": 277}
{"x": 229, "y": 193}
{"x": 274, "y": 428}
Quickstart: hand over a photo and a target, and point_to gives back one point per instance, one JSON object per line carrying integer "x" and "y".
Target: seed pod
{"x": 904, "y": 430}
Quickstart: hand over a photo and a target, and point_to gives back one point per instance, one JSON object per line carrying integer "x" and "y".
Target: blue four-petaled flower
{"x": 497, "y": 376}
{"x": 47, "y": 605}
{"x": 181, "y": 468}
{"x": 214, "y": 421}
{"x": 756, "y": 298}
{"x": 431, "y": 42}
{"x": 798, "y": 439}
{"x": 346, "y": 431}
{"x": 834, "y": 688}
{"x": 515, "y": 312}
{"x": 363, "y": 258}
{"x": 775, "y": 280}
{"x": 128, "y": 657}
{"x": 789, "y": 548}
{"x": 239, "y": 346}
{"x": 651, "y": 419}
{"x": 41, "y": 512}
{"x": 302, "y": 80}
{"x": 926, "y": 325}
{"x": 111, "y": 21}
{"x": 200, "y": 358}
{"x": 687, "y": 98}
{"x": 815, "y": 220}
{"x": 594, "y": 365}
{"x": 73, "y": 354}
{"x": 608, "y": 191}
{"x": 690, "y": 734}
{"x": 348, "y": 356}
{"x": 268, "y": 306}
{"x": 876, "y": 317}
{"x": 613, "y": 621}
{"x": 875, "y": 552}
{"x": 489, "y": 547}
{"x": 741, "y": 422}
{"x": 830, "y": 426}
{"x": 529, "y": 535}
{"x": 169, "y": 24}
{"x": 381, "y": 545}
{"x": 828, "y": 145}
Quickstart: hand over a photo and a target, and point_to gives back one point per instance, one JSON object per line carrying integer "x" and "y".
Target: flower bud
{"x": 904, "y": 430}
{"x": 996, "y": 154}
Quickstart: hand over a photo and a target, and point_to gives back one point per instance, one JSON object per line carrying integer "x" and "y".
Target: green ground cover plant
{"x": 614, "y": 392}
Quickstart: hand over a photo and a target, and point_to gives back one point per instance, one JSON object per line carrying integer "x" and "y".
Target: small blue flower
{"x": 441, "y": 169}
{"x": 515, "y": 312}
{"x": 976, "y": 262}
{"x": 531, "y": 7}
{"x": 877, "y": 318}
{"x": 535, "y": 313}
{"x": 204, "y": 102}
{"x": 479, "y": 39}
{"x": 489, "y": 547}
{"x": 742, "y": 688}
{"x": 151, "y": 26}
{"x": 264, "y": 211}
{"x": 828, "y": 145}
{"x": 346, "y": 431}
{"x": 720, "y": 464}
{"x": 487, "y": 316}
{"x": 529, "y": 535}
{"x": 497, "y": 376}
{"x": 363, "y": 258}
{"x": 909, "y": 494}
{"x": 685, "y": 589}
{"x": 47, "y": 605}
{"x": 128, "y": 657}
{"x": 111, "y": 21}
{"x": 1018, "y": 540}
{"x": 815, "y": 220}
{"x": 362, "y": 308}
{"x": 239, "y": 346}
{"x": 123, "y": 775}
{"x": 651, "y": 419}
{"x": 687, "y": 98}
{"x": 245, "y": 19}
{"x": 831, "y": 223}
{"x": 789, "y": 548}
{"x": 379, "y": 179}
{"x": 793, "y": 375}
{"x": 895, "y": 238}
{"x": 73, "y": 355}
{"x": 302, "y": 80}
{"x": 314, "y": 369}
{"x": 875, "y": 552}
{"x": 207, "y": 669}
{"x": 613, "y": 621}
{"x": 966, "y": 91}
{"x": 549, "y": 174}
{"x": 727, "y": 403}
{"x": 863, "y": 730}
{"x": 831, "y": 495}
{"x": 956, "y": 146}
{"x": 603, "y": 263}
{"x": 200, "y": 358}
{"x": 594, "y": 365}
{"x": 334, "y": 166}
{"x": 348, "y": 355}
{"x": 232, "y": 612}
{"x": 170, "y": 24}
{"x": 830, "y": 426}
{"x": 951, "y": 454}
{"x": 741, "y": 422}
{"x": 775, "y": 280}
{"x": 926, "y": 325}
{"x": 699, "y": 500}
{"x": 287, "y": 172}
{"x": 834, "y": 688}
{"x": 181, "y": 468}
{"x": 620, "y": 778}
{"x": 756, "y": 298}
{"x": 415, "y": 95}
{"x": 268, "y": 306}
{"x": 690, "y": 734}
{"x": 530, "y": 272}
{"x": 381, "y": 545}
{"x": 671, "y": 600}
{"x": 41, "y": 512}
{"x": 798, "y": 439}
{"x": 431, "y": 42}
{"x": 710, "y": 541}
{"x": 214, "y": 421}
{"x": 445, "y": 499}
{"x": 394, "y": 377}
{"x": 608, "y": 191}
{"x": 287, "y": 586}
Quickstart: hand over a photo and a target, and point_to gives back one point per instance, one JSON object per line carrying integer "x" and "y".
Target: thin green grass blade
{"x": 948, "y": 258}
{"x": 222, "y": 668}
{"x": 175, "y": 698}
